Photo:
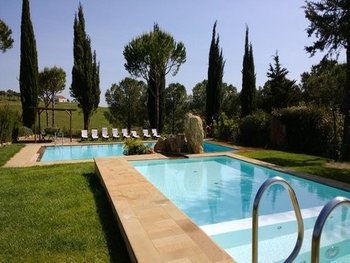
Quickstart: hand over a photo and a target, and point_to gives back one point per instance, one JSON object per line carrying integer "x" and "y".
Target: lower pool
{"x": 217, "y": 193}
{"x": 83, "y": 152}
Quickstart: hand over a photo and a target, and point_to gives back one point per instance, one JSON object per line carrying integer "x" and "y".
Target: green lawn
{"x": 301, "y": 162}
{"x": 56, "y": 213}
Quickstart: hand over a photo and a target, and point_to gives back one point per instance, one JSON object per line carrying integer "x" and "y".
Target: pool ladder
{"x": 316, "y": 235}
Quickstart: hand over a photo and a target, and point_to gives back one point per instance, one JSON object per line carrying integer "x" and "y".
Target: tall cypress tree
{"x": 28, "y": 76}
{"x": 248, "y": 92}
{"x": 85, "y": 86}
{"x": 215, "y": 75}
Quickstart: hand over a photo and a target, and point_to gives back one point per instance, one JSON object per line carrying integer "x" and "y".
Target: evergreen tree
{"x": 28, "y": 76}
{"x": 85, "y": 86}
{"x": 215, "y": 75}
{"x": 330, "y": 23}
{"x": 279, "y": 91}
{"x": 248, "y": 92}
{"x": 6, "y": 40}
{"x": 152, "y": 56}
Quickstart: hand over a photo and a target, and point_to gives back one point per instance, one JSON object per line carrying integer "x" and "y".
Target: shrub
{"x": 9, "y": 123}
{"x": 309, "y": 130}
{"x": 254, "y": 129}
{"x": 225, "y": 128}
{"x": 132, "y": 147}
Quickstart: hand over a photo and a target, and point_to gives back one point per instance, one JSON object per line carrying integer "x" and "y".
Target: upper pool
{"x": 84, "y": 152}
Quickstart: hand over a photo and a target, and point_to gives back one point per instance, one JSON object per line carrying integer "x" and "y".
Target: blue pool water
{"x": 217, "y": 193}
{"x": 82, "y": 152}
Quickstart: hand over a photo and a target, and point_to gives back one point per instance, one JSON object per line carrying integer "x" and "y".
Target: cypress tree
{"x": 248, "y": 92}
{"x": 85, "y": 86}
{"x": 215, "y": 75}
{"x": 28, "y": 76}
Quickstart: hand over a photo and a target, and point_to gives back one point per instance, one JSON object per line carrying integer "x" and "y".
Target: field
{"x": 98, "y": 119}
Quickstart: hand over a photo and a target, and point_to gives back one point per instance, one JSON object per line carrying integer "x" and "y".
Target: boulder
{"x": 160, "y": 145}
{"x": 194, "y": 133}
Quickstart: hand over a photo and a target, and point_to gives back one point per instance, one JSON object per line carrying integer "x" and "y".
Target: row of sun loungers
{"x": 115, "y": 134}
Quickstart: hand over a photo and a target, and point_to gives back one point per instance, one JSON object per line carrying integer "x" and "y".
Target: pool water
{"x": 217, "y": 193}
{"x": 82, "y": 152}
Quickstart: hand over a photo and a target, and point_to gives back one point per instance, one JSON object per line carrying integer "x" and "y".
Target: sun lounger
{"x": 155, "y": 134}
{"x": 94, "y": 134}
{"x": 134, "y": 135}
{"x": 115, "y": 134}
{"x": 146, "y": 134}
{"x": 105, "y": 135}
{"x": 84, "y": 135}
{"x": 125, "y": 133}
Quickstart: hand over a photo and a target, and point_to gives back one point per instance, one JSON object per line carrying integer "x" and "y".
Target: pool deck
{"x": 155, "y": 230}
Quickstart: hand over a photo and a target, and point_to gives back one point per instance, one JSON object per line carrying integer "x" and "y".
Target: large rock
{"x": 194, "y": 133}
{"x": 173, "y": 144}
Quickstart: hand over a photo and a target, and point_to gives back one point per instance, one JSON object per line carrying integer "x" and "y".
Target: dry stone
{"x": 194, "y": 133}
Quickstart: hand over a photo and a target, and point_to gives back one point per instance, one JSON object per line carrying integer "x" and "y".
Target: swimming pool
{"x": 83, "y": 152}
{"x": 217, "y": 193}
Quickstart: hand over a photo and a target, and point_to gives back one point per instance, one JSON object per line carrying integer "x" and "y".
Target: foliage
{"x": 127, "y": 102}
{"x": 329, "y": 22}
{"x": 310, "y": 164}
{"x": 9, "y": 123}
{"x": 199, "y": 97}
{"x": 279, "y": 92}
{"x": 51, "y": 81}
{"x": 85, "y": 86}
{"x": 152, "y": 56}
{"x": 57, "y": 213}
{"x": 225, "y": 128}
{"x": 248, "y": 92}
{"x": 254, "y": 129}
{"x": 324, "y": 85}
{"x": 230, "y": 100}
{"x": 308, "y": 129}
{"x": 134, "y": 146}
{"x": 6, "y": 40}
{"x": 28, "y": 76}
{"x": 175, "y": 107}
{"x": 215, "y": 75}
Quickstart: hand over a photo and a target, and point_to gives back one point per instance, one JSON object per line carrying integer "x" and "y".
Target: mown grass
{"x": 302, "y": 163}
{"x": 6, "y": 152}
{"x": 57, "y": 213}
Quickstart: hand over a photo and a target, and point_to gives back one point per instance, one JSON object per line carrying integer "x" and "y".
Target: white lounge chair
{"x": 84, "y": 135}
{"x": 115, "y": 134}
{"x": 134, "y": 134}
{"x": 146, "y": 134}
{"x": 155, "y": 134}
{"x": 105, "y": 135}
{"x": 125, "y": 133}
{"x": 94, "y": 134}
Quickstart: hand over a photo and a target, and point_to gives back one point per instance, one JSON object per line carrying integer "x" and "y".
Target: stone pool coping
{"x": 154, "y": 229}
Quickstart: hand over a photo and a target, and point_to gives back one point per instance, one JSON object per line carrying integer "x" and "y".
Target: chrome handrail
{"x": 267, "y": 184}
{"x": 321, "y": 220}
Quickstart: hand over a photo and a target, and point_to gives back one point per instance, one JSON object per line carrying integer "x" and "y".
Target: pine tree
{"x": 248, "y": 92}
{"x": 85, "y": 86}
{"x": 29, "y": 76}
{"x": 215, "y": 75}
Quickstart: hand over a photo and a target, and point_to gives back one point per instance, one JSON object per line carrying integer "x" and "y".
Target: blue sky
{"x": 274, "y": 25}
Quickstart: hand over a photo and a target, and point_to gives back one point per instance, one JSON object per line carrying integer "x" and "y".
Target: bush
{"x": 254, "y": 130}
{"x": 9, "y": 123}
{"x": 225, "y": 128}
{"x": 309, "y": 130}
{"x": 132, "y": 147}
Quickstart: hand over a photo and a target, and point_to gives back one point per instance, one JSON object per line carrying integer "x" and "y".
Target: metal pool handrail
{"x": 321, "y": 220}
{"x": 266, "y": 185}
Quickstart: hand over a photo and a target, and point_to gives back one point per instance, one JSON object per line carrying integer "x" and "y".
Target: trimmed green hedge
{"x": 9, "y": 124}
